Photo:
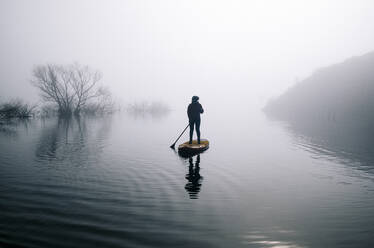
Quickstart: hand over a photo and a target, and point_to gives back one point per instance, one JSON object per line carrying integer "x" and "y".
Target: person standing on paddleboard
{"x": 193, "y": 111}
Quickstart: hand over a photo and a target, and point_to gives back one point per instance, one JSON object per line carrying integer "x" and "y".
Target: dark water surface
{"x": 114, "y": 182}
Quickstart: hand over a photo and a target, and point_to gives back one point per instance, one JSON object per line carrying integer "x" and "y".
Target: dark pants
{"x": 197, "y": 124}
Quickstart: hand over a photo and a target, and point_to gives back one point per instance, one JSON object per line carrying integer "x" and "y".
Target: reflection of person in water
{"x": 194, "y": 179}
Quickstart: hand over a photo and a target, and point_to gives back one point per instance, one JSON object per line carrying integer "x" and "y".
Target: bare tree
{"x": 71, "y": 87}
{"x": 85, "y": 86}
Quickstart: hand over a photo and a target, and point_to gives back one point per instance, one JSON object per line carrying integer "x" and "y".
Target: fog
{"x": 224, "y": 51}
{"x": 297, "y": 173}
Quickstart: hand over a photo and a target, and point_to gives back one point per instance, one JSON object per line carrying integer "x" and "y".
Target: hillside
{"x": 333, "y": 110}
{"x": 341, "y": 92}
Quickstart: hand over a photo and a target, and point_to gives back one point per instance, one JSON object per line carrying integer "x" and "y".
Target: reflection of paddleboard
{"x": 194, "y": 148}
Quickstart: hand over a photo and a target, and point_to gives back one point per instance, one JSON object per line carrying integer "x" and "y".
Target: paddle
{"x": 173, "y": 145}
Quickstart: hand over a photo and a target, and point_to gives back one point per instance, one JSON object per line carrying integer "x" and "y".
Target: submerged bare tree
{"x": 16, "y": 108}
{"x": 70, "y": 87}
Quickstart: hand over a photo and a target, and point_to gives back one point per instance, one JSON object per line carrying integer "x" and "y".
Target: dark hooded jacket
{"x": 194, "y": 110}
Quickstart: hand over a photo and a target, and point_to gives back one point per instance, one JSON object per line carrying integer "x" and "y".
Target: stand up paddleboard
{"x": 187, "y": 149}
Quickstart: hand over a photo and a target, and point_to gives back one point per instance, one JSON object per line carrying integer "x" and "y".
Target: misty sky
{"x": 170, "y": 50}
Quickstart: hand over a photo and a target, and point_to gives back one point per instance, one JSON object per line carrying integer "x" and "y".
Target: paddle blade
{"x": 172, "y": 146}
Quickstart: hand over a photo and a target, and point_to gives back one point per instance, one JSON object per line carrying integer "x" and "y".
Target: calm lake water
{"x": 114, "y": 182}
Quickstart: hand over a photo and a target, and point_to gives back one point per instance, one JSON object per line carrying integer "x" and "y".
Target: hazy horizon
{"x": 298, "y": 173}
{"x": 170, "y": 50}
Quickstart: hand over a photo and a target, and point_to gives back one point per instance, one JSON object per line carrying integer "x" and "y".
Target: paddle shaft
{"x": 180, "y": 136}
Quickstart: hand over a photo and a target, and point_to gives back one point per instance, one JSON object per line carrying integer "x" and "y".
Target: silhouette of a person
{"x": 193, "y": 111}
{"x": 194, "y": 178}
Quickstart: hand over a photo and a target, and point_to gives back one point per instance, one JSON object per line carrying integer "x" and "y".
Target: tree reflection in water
{"x": 75, "y": 140}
